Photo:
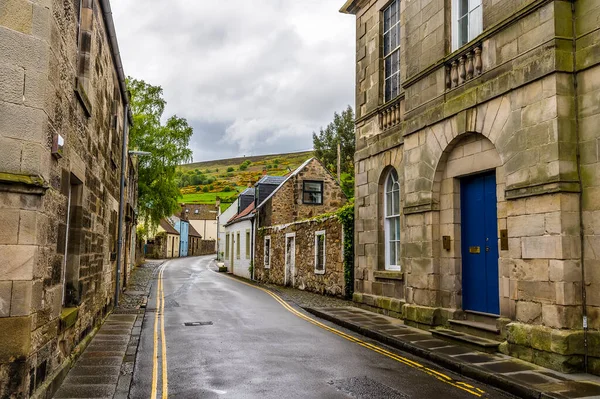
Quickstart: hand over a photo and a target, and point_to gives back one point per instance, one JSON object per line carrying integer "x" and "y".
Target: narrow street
{"x": 246, "y": 344}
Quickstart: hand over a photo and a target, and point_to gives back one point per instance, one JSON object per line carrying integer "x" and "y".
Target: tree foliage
{"x": 167, "y": 142}
{"x": 341, "y": 130}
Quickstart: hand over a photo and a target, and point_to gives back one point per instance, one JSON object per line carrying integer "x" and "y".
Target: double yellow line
{"x": 442, "y": 377}
{"x": 160, "y": 314}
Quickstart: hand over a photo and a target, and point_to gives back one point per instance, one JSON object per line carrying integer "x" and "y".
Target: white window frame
{"x": 267, "y": 260}
{"x": 317, "y": 234}
{"x": 247, "y": 243}
{"x": 389, "y": 263}
{"x": 474, "y": 22}
{"x": 391, "y": 53}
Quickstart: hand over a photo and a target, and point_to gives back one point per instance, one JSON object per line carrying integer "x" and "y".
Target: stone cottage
{"x": 298, "y": 240}
{"x": 203, "y": 217}
{"x": 63, "y": 119}
{"x": 477, "y": 171}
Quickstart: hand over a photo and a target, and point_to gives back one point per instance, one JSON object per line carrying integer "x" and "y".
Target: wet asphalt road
{"x": 255, "y": 348}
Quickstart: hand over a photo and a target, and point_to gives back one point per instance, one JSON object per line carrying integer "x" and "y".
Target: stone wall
{"x": 304, "y": 278}
{"x": 287, "y": 206}
{"x": 42, "y": 95}
{"x": 528, "y": 111}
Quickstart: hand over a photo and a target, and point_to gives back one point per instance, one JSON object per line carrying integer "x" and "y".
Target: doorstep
{"x": 526, "y": 380}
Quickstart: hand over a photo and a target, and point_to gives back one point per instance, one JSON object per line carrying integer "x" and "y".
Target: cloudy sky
{"x": 251, "y": 77}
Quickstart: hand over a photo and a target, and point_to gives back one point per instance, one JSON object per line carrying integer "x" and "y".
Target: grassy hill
{"x": 203, "y": 182}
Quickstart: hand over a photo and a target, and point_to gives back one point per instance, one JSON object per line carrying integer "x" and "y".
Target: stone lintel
{"x": 419, "y": 208}
{"x": 541, "y": 189}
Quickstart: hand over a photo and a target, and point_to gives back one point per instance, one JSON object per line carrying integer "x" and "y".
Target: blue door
{"x": 479, "y": 243}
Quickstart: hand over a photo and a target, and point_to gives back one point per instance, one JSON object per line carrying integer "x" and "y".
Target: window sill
{"x": 320, "y": 272}
{"x": 388, "y": 275}
{"x": 68, "y": 318}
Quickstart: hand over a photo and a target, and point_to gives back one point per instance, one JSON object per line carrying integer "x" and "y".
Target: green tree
{"x": 167, "y": 142}
{"x": 340, "y": 130}
{"x": 230, "y": 169}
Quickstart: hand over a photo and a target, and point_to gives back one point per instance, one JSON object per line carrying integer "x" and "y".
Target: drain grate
{"x": 198, "y": 323}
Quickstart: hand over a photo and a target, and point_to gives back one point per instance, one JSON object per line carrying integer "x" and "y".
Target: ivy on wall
{"x": 346, "y": 217}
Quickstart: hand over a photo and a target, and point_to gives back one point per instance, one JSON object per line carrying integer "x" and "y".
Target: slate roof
{"x": 167, "y": 227}
{"x": 248, "y": 191}
{"x": 205, "y": 211}
{"x": 275, "y": 180}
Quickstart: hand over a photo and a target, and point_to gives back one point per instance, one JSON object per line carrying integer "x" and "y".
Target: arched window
{"x": 392, "y": 221}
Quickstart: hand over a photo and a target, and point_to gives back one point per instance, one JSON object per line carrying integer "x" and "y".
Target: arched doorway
{"x": 469, "y": 188}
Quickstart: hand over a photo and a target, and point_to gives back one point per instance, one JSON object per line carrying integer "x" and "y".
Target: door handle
{"x": 487, "y": 249}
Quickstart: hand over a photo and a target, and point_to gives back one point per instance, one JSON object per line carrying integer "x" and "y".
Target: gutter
{"x": 116, "y": 55}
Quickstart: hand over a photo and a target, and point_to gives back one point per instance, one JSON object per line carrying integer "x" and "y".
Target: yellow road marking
{"x": 160, "y": 310}
{"x": 163, "y": 339}
{"x": 442, "y": 377}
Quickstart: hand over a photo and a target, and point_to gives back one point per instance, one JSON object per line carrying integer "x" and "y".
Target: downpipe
{"x": 124, "y": 153}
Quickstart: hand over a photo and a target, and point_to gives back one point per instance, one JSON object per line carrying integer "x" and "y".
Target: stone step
{"x": 481, "y": 317}
{"x": 477, "y": 329}
{"x": 475, "y": 342}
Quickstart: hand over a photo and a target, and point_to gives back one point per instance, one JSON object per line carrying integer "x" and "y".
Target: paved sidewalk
{"x": 105, "y": 369}
{"x": 99, "y": 371}
{"x": 520, "y": 378}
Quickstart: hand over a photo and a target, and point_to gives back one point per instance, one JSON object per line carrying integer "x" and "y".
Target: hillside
{"x": 203, "y": 182}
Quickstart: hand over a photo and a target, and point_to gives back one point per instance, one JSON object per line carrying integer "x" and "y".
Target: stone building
{"x": 63, "y": 115}
{"x": 298, "y": 242}
{"x": 477, "y": 171}
{"x": 203, "y": 217}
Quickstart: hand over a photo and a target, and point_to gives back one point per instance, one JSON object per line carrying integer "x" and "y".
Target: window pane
{"x": 396, "y": 196}
{"x": 394, "y": 38}
{"x": 312, "y": 198}
{"x": 388, "y": 90}
{"x": 394, "y": 11}
{"x": 394, "y": 85}
{"x": 386, "y": 44}
{"x": 463, "y": 31}
{"x": 392, "y": 254}
{"x": 394, "y": 61}
{"x": 475, "y": 23}
{"x": 463, "y": 7}
{"x": 387, "y": 19}
{"x": 397, "y": 253}
{"x": 388, "y": 203}
{"x": 473, "y": 4}
{"x": 397, "y": 236}
{"x": 312, "y": 186}
{"x": 388, "y": 67}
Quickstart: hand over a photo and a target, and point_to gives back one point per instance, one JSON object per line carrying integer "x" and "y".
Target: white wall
{"x": 224, "y": 218}
{"x": 241, "y": 264}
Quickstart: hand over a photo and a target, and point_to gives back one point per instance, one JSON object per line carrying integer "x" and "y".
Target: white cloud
{"x": 251, "y": 77}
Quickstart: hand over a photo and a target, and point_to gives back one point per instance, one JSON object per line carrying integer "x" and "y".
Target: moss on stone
{"x": 357, "y": 297}
{"x": 29, "y": 180}
{"x": 518, "y": 334}
{"x": 541, "y": 338}
{"x": 68, "y": 317}
{"x": 422, "y": 314}
{"x": 567, "y": 342}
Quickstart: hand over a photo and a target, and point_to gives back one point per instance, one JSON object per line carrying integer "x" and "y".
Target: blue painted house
{"x": 183, "y": 228}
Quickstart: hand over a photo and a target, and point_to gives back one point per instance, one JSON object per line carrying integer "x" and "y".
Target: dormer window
{"x": 312, "y": 192}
